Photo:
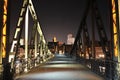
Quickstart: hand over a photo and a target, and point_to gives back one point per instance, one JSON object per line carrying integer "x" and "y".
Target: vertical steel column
{"x": 26, "y": 36}
{"x": 119, "y": 38}
{"x": 115, "y": 29}
{"x": 1, "y": 26}
{"x": 36, "y": 44}
{"x": 8, "y": 30}
{"x": 116, "y": 37}
{"x": 93, "y": 31}
{"x": 41, "y": 47}
{"x": 5, "y": 30}
{"x": 35, "y": 54}
{"x": 84, "y": 45}
{"x": 5, "y": 39}
{"x": 26, "y": 33}
{"x": 119, "y": 31}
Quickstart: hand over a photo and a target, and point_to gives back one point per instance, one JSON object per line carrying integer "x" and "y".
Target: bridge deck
{"x": 60, "y": 68}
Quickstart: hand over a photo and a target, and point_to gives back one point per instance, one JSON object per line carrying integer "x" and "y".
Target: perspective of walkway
{"x": 60, "y": 67}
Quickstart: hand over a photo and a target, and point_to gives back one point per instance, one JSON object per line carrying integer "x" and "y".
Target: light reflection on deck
{"x": 61, "y": 75}
{"x": 60, "y": 68}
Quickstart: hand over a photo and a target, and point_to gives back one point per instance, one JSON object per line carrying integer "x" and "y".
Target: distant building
{"x": 68, "y": 48}
{"x": 56, "y": 46}
{"x": 53, "y": 46}
{"x": 70, "y": 39}
{"x": 54, "y": 39}
{"x": 22, "y": 42}
{"x": 87, "y": 52}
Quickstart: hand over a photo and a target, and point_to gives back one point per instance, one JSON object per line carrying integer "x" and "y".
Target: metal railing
{"x": 105, "y": 68}
{"x": 25, "y": 65}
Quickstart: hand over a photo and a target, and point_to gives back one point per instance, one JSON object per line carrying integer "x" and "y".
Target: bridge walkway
{"x": 60, "y": 67}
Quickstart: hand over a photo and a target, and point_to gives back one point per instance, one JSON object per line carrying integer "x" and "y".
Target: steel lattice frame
{"x": 24, "y": 16}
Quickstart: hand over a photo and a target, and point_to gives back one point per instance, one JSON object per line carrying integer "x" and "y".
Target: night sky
{"x": 59, "y": 17}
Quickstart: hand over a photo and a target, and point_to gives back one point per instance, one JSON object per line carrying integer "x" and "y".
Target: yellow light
{"x": 115, "y": 32}
{"x": 115, "y": 46}
{"x": 113, "y": 6}
{"x": 5, "y": 6}
{"x": 4, "y": 46}
{"x": 114, "y": 18}
{"x": 54, "y": 39}
{"x": 4, "y": 29}
{"x": 4, "y": 19}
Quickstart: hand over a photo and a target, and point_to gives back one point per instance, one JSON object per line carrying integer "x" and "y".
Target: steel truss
{"x": 37, "y": 48}
{"x": 83, "y": 46}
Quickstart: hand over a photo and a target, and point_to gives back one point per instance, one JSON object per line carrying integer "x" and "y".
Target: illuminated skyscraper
{"x": 70, "y": 39}
{"x": 22, "y": 42}
{"x": 54, "y": 39}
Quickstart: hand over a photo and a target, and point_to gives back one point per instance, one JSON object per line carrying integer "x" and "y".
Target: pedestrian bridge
{"x": 60, "y": 67}
{"x": 87, "y": 59}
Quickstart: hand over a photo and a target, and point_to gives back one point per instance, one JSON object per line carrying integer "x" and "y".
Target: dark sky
{"x": 58, "y": 17}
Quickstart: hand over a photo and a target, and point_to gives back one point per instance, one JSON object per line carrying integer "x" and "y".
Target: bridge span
{"x": 86, "y": 59}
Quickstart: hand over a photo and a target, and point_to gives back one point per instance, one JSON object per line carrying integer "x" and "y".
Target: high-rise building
{"x": 70, "y": 39}
{"x": 54, "y": 39}
{"x": 22, "y": 42}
